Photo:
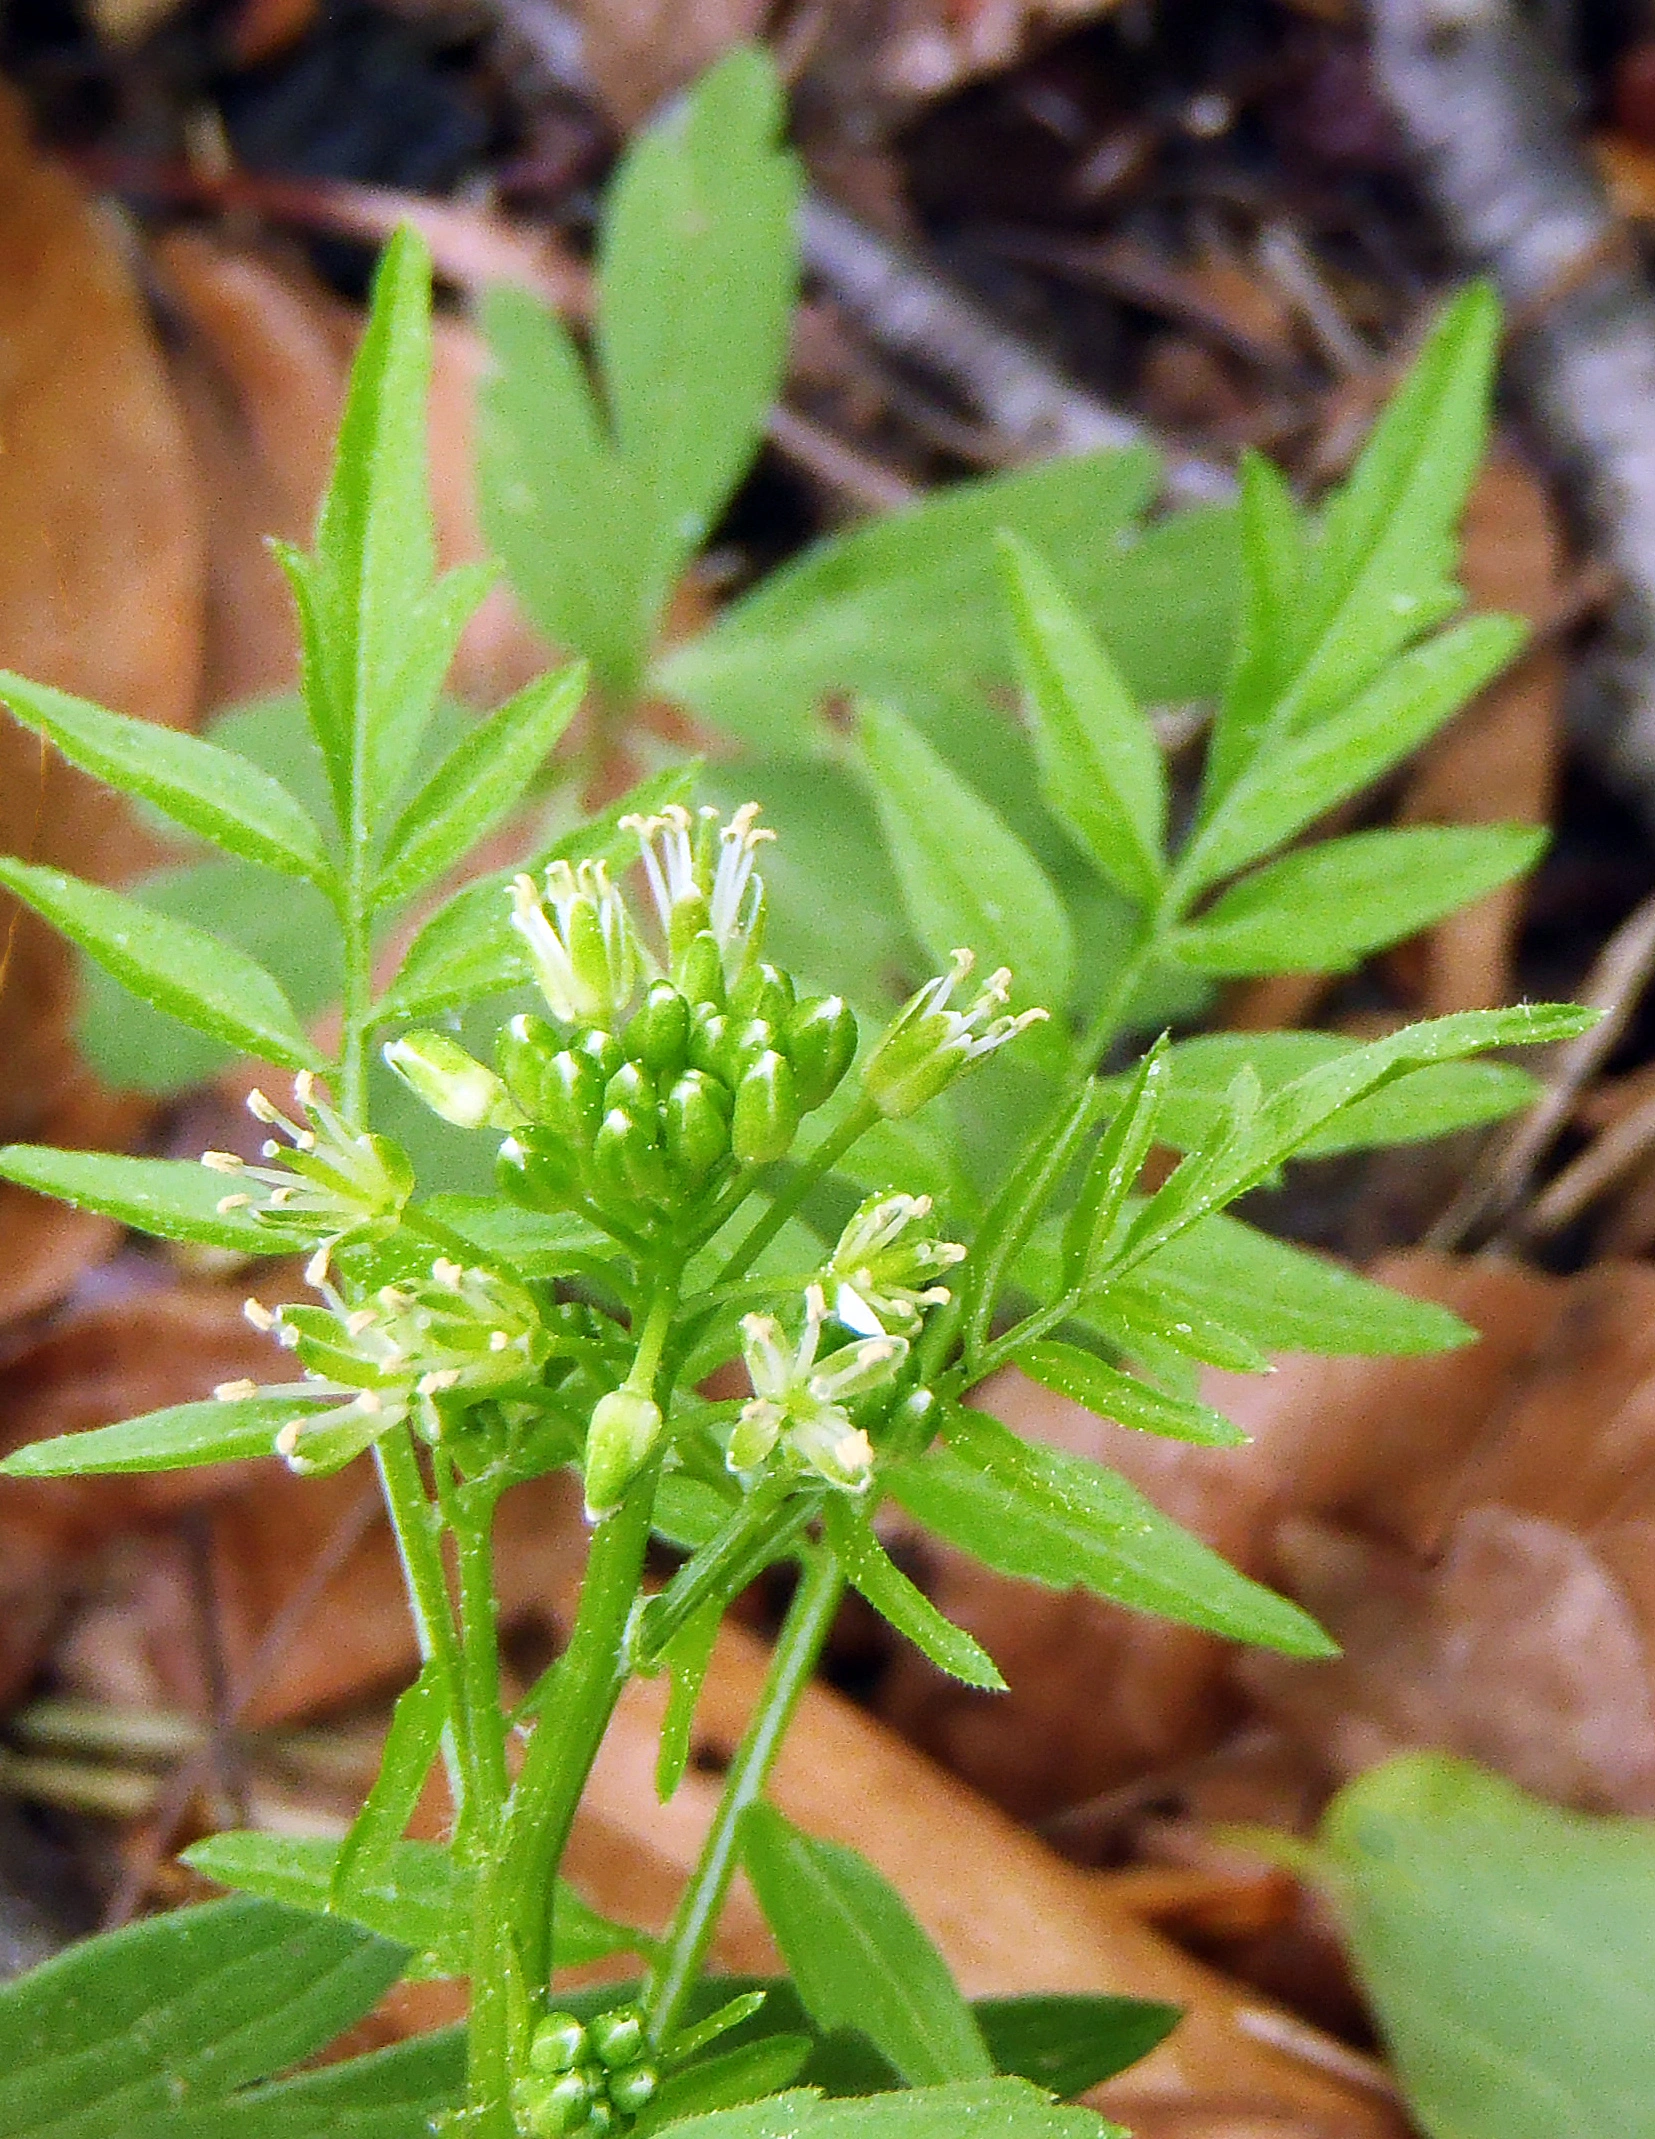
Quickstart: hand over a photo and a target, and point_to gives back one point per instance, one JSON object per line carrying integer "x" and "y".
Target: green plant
{"x": 661, "y": 1213}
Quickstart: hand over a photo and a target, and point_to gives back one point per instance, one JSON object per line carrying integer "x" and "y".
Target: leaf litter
{"x": 1472, "y": 1526}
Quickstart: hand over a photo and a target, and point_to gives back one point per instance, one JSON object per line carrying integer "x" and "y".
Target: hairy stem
{"x": 797, "y": 1648}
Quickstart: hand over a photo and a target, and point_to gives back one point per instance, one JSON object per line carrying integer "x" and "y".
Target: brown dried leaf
{"x": 101, "y": 569}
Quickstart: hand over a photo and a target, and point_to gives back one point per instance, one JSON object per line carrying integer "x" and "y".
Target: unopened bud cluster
{"x": 641, "y": 1093}
{"x": 585, "y": 2080}
{"x": 688, "y": 1092}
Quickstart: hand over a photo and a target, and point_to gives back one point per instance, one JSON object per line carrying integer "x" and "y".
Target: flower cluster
{"x": 641, "y": 1096}
{"x": 456, "y": 1337}
{"x": 581, "y": 2078}
{"x": 332, "y": 1184}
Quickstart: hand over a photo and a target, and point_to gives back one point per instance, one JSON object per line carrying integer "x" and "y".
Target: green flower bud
{"x": 766, "y": 1115}
{"x": 603, "y": 1048}
{"x": 627, "y": 1161}
{"x": 928, "y": 1045}
{"x": 764, "y": 991}
{"x": 659, "y": 1034}
{"x": 600, "y": 2118}
{"x": 522, "y": 1052}
{"x": 538, "y": 1168}
{"x": 744, "y": 1042}
{"x": 617, "y": 2037}
{"x": 691, "y": 917}
{"x": 557, "y": 2044}
{"x": 632, "y": 1089}
{"x": 707, "y": 1030}
{"x": 624, "y": 1428}
{"x": 452, "y": 1083}
{"x": 549, "y": 2109}
{"x": 634, "y": 2088}
{"x": 698, "y": 969}
{"x": 695, "y": 1123}
{"x": 819, "y": 1039}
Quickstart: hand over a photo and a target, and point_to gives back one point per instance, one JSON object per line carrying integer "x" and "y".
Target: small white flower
{"x": 701, "y": 876}
{"x": 928, "y": 1045}
{"x": 883, "y": 1267}
{"x": 584, "y": 952}
{"x": 800, "y": 1403}
{"x": 331, "y": 1183}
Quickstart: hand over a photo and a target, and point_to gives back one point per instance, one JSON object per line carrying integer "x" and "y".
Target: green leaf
{"x": 1059, "y": 1520}
{"x": 178, "y": 2008}
{"x": 469, "y": 948}
{"x": 1274, "y": 539}
{"x": 378, "y": 636}
{"x": 364, "y": 1859}
{"x": 179, "y": 968}
{"x": 416, "y": 1894}
{"x": 1031, "y": 1181}
{"x": 856, "y": 1953}
{"x": 294, "y": 935}
{"x": 686, "y": 1658}
{"x": 1115, "y": 1167}
{"x": 475, "y": 785}
{"x": 1279, "y": 1126}
{"x": 175, "y": 1199}
{"x": 1100, "y": 765}
{"x": 1378, "y": 574}
{"x": 1084, "y": 1379}
{"x": 557, "y": 502}
{"x": 210, "y": 791}
{"x": 179, "y": 1438}
{"x": 1163, "y": 1337}
{"x": 1505, "y": 1946}
{"x": 697, "y": 274}
{"x": 875, "y": 1575}
{"x": 1293, "y": 783}
{"x": 904, "y": 608}
{"x": 1322, "y": 909}
{"x": 399, "y": 2093}
{"x": 1068, "y": 2044}
{"x": 967, "y": 880}
{"x": 997, "y": 2109}
{"x": 746, "y": 2074}
{"x": 1431, "y": 1102}
{"x": 1287, "y": 1299}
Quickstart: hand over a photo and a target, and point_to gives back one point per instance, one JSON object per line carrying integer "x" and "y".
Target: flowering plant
{"x": 703, "y": 1171}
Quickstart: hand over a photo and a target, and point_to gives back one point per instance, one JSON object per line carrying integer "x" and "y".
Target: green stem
{"x": 356, "y": 1005}
{"x": 1107, "y": 1019}
{"x": 588, "y": 1680}
{"x": 820, "y": 1163}
{"x": 573, "y": 1718}
{"x": 469, "y": 1511}
{"x": 769, "y": 1519}
{"x": 415, "y": 1532}
{"x": 797, "y": 1648}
